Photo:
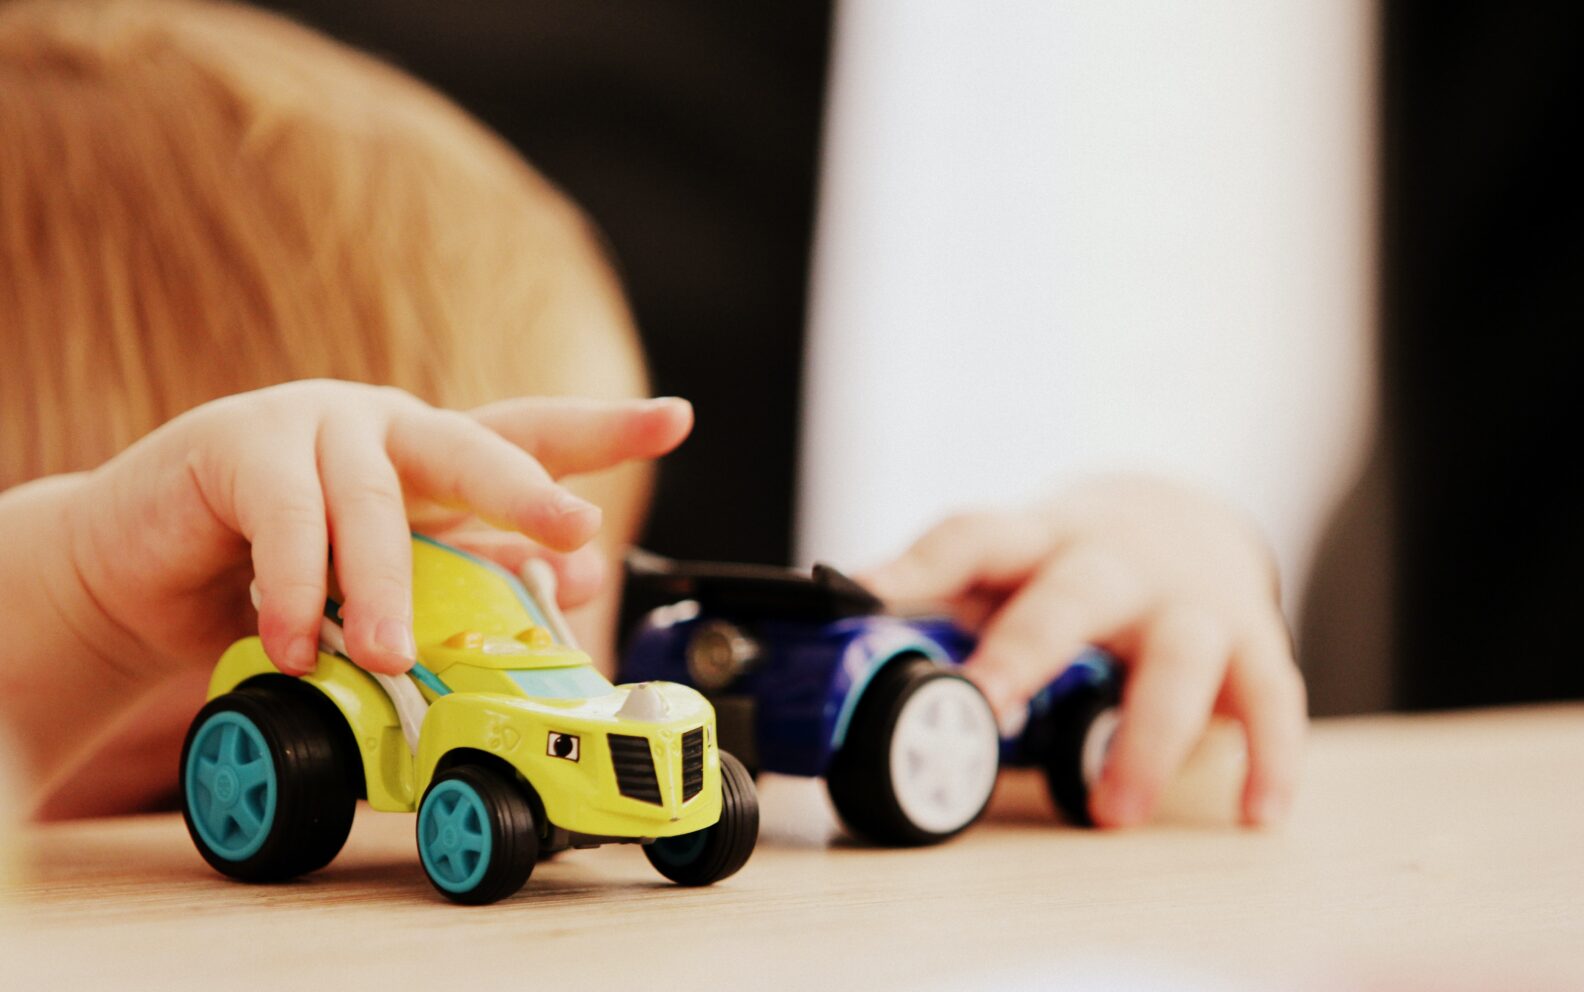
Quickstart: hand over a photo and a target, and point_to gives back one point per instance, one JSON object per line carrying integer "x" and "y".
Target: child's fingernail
{"x": 396, "y": 637}
{"x": 568, "y": 505}
{"x": 303, "y": 655}
{"x": 1012, "y": 722}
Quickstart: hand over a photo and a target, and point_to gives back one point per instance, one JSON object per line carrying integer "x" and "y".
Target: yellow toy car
{"x": 504, "y": 738}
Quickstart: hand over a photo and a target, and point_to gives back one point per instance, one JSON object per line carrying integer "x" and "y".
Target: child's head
{"x": 197, "y": 200}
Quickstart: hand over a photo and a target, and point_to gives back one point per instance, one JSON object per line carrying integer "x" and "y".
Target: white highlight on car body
{"x": 409, "y": 702}
{"x": 675, "y": 613}
{"x": 644, "y": 702}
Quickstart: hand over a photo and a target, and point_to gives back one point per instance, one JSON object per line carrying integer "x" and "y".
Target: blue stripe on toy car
{"x": 928, "y": 649}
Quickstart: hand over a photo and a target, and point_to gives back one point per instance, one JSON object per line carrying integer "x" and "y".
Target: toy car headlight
{"x": 718, "y": 652}
{"x": 562, "y": 746}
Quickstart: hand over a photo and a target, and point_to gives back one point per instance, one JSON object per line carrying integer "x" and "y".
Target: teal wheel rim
{"x": 454, "y": 836}
{"x": 683, "y": 850}
{"x": 230, "y": 785}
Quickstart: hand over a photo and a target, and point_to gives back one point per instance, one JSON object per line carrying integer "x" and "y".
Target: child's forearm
{"x": 63, "y": 683}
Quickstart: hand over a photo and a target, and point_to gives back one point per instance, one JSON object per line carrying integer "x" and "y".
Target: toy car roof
{"x": 753, "y": 591}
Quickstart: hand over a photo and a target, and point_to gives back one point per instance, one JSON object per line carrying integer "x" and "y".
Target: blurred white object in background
{"x": 1056, "y": 238}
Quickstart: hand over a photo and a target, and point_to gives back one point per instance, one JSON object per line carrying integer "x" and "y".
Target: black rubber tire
{"x": 514, "y": 836}
{"x": 859, "y": 778}
{"x": 317, "y": 775}
{"x": 726, "y": 845}
{"x": 1056, "y": 739}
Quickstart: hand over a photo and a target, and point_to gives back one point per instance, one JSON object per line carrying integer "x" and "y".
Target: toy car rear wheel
{"x": 269, "y": 781}
{"x": 476, "y": 835}
{"x": 920, "y": 758}
{"x": 706, "y": 856}
{"x": 1077, "y": 734}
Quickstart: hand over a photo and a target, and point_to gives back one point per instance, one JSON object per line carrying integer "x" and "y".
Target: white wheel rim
{"x": 1097, "y": 744}
{"x": 944, "y": 755}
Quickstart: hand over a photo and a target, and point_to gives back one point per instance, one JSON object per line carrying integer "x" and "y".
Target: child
{"x": 199, "y": 201}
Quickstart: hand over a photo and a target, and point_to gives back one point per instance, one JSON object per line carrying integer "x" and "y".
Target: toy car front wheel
{"x": 268, "y": 781}
{"x": 476, "y": 835}
{"x": 706, "y": 856}
{"x": 920, "y": 758}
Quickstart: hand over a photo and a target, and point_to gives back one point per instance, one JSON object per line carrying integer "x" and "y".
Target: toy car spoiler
{"x": 752, "y": 591}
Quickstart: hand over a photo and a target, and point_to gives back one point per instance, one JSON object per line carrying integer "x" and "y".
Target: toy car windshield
{"x": 754, "y": 591}
{"x": 561, "y": 683}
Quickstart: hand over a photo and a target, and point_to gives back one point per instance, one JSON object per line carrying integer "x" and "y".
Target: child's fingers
{"x": 579, "y": 575}
{"x": 281, "y": 512}
{"x": 372, "y": 549}
{"x": 453, "y": 459}
{"x": 962, "y": 551}
{"x": 1170, "y": 691}
{"x": 1073, "y": 600}
{"x": 584, "y": 435}
{"x": 429, "y": 517}
{"x": 1266, "y": 693}
{"x": 974, "y": 609}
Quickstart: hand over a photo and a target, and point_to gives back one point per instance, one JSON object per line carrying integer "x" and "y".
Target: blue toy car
{"x": 809, "y": 676}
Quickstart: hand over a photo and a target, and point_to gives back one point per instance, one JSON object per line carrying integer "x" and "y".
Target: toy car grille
{"x": 692, "y": 763}
{"x": 635, "y": 773}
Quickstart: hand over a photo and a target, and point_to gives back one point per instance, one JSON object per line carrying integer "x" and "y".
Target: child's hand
{"x": 166, "y": 535}
{"x": 1176, "y": 585}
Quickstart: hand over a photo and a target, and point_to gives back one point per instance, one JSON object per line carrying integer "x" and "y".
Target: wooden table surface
{"x": 1425, "y": 852}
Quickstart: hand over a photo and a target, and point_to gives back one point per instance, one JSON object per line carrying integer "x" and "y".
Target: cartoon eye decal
{"x": 562, "y": 746}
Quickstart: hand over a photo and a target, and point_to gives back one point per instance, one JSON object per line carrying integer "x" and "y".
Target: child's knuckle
{"x": 1194, "y": 632}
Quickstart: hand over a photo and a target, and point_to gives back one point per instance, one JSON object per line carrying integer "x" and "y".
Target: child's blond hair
{"x": 200, "y": 199}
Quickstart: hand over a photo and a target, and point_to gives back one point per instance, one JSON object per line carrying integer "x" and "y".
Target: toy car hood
{"x": 467, "y": 603}
{"x": 658, "y": 703}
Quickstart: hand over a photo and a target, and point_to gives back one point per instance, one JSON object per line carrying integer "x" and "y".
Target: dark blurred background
{"x": 689, "y": 130}
{"x": 1452, "y": 576}
{"x": 1483, "y": 220}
